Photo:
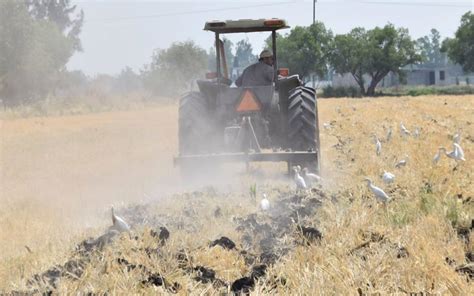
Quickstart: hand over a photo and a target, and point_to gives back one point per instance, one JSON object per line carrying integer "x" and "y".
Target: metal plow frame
{"x": 247, "y": 158}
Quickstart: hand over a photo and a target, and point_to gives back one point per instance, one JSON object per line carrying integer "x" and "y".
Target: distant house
{"x": 441, "y": 74}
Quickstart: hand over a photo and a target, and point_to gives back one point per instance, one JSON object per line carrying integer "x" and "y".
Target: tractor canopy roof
{"x": 246, "y": 25}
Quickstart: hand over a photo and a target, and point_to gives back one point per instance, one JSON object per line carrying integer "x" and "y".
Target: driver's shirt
{"x": 256, "y": 75}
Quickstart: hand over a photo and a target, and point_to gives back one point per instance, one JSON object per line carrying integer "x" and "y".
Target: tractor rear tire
{"x": 303, "y": 127}
{"x": 195, "y": 127}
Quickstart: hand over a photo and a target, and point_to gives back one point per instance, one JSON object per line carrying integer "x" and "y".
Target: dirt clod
{"x": 310, "y": 234}
{"x": 243, "y": 285}
{"x": 467, "y": 269}
{"x": 163, "y": 235}
{"x": 224, "y": 242}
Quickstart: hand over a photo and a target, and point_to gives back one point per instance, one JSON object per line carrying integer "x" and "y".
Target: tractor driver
{"x": 258, "y": 74}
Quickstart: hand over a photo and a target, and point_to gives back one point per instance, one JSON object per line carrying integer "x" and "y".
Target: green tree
{"x": 244, "y": 55}
{"x": 211, "y": 59}
{"x": 63, "y": 14}
{"x": 305, "y": 50}
{"x": 349, "y": 55}
{"x": 174, "y": 69}
{"x": 460, "y": 49}
{"x": 229, "y": 56}
{"x": 375, "y": 53}
{"x": 33, "y": 54}
{"x": 128, "y": 81}
{"x": 429, "y": 47}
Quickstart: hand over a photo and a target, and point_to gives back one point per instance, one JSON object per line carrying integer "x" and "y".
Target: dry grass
{"x": 59, "y": 175}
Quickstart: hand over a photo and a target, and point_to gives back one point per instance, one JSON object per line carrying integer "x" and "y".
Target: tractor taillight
{"x": 284, "y": 72}
{"x": 248, "y": 102}
{"x": 273, "y": 23}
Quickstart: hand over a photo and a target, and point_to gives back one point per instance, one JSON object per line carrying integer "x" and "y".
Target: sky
{"x": 118, "y": 33}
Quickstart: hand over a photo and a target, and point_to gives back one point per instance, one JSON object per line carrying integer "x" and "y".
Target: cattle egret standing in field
{"x": 310, "y": 178}
{"x": 405, "y": 132}
{"x": 265, "y": 203}
{"x": 297, "y": 168}
{"x": 456, "y": 154}
{"x": 299, "y": 181}
{"x": 459, "y": 153}
{"x": 389, "y": 134}
{"x": 402, "y": 162}
{"x": 457, "y": 138}
{"x": 388, "y": 177}
{"x": 416, "y": 134}
{"x": 437, "y": 156}
{"x": 119, "y": 224}
{"x": 378, "y": 146}
{"x": 379, "y": 193}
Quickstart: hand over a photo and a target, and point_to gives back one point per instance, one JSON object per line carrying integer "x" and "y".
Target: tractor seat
{"x": 209, "y": 88}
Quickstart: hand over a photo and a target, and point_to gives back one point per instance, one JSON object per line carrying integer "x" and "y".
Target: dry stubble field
{"x": 59, "y": 176}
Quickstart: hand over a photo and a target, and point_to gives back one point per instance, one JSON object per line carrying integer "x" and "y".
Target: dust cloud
{"x": 77, "y": 166}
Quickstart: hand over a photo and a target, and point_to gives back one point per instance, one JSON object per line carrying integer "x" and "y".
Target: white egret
{"x": 389, "y": 134}
{"x": 456, "y": 154}
{"x": 416, "y": 134}
{"x": 404, "y": 130}
{"x": 297, "y": 168}
{"x": 265, "y": 203}
{"x": 437, "y": 156}
{"x": 310, "y": 178}
{"x": 402, "y": 162}
{"x": 378, "y": 145}
{"x": 379, "y": 193}
{"x": 388, "y": 177}
{"x": 119, "y": 223}
{"x": 299, "y": 181}
{"x": 457, "y": 138}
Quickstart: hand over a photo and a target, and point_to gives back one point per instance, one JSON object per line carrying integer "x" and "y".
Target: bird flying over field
{"x": 388, "y": 177}
{"x": 299, "y": 181}
{"x": 380, "y": 195}
{"x": 118, "y": 223}
{"x": 310, "y": 178}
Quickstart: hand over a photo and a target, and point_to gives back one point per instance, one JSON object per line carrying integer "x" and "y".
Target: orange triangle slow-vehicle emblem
{"x": 248, "y": 102}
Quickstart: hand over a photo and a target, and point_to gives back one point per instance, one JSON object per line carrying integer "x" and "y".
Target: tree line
{"x": 38, "y": 37}
{"x": 371, "y": 53}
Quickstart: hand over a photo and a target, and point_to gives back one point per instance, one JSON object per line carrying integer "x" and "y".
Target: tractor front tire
{"x": 303, "y": 128}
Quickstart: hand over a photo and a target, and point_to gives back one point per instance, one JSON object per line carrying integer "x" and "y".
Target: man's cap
{"x": 266, "y": 54}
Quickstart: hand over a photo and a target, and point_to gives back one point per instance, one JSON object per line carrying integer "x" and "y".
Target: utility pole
{"x": 314, "y": 21}
{"x": 314, "y": 11}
